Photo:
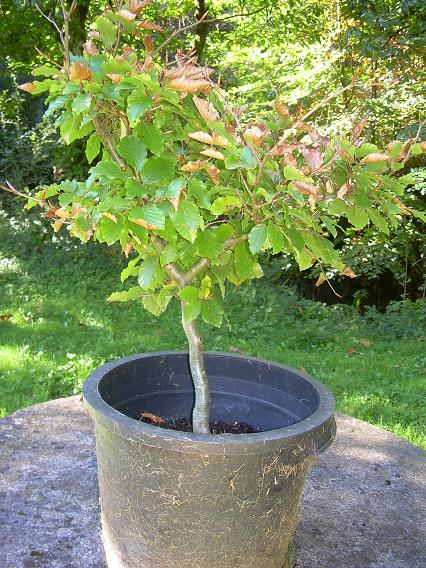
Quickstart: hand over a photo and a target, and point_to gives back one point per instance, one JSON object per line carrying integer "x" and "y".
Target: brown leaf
{"x": 127, "y": 15}
{"x": 281, "y": 109}
{"x": 90, "y": 48}
{"x": 348, "y": 272}
{"x": 80, "y": 72}
{"x": 256, "y": 134}
{"x": 321, "y": 279}
{"x": 358, "y": 128}
{"x": 115, "y": 78}
{"x": 191, "y": 167}
{"x": 203, "y": 137}
{"x": 318, "y": 139}
{"x": 148, "y": 43}
{"x": 205, "y": 109}
{"x": 423, "y": 146}
{"x": 329, "y": 186}
{"x": 127, "y": 249}
{"x": 343, "y": 190}
{"x": 220, "y": 140}
{"x": 306, "y": 188}
{"x": 212, "y": 153}
{"x": 213, "y": 173}
{"x": 364, "y": 342}
{"x": 312, "y": 157}
{"x": 284, "y": 149}
{"x": 350, "y": 351}
{"x": 57, "y": 225}
{"x": 147, "y": 25}
{"x": 153, "y": 418}
{"x": 63, "y": 213}
{"x": 345, "y": 155}
{"x": 28, "y": 87}
{"x": 186, "y": 85}
{"x": 374, "y": 158}
{"x": 136, "y": 6}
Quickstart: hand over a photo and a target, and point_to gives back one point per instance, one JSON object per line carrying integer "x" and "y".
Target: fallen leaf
{"x": 350, "y": 351}
{"x": 153, "y": 418}
{"x": 364, "y": 342}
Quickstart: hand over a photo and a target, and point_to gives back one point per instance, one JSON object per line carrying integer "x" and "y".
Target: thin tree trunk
{"x": 202, "y": 29}
{"x": 77, "y": 25}
{"x": 201, "y": 412}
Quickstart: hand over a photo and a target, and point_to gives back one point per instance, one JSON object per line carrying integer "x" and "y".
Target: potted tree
{"x": 192, "y": 192}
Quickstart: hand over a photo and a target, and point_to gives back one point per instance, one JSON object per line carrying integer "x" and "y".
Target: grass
{"x": 55, "y": 327}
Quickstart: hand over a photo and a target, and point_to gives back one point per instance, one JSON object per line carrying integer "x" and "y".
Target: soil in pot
{"x": 184, "y": 424}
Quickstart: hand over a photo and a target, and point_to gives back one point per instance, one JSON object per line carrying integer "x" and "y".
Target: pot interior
{"x": 244, "y": 390}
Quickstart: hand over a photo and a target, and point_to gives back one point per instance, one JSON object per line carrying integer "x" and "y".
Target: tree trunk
{"x": 201, "y": 411}
{"x": 202, "y": 29}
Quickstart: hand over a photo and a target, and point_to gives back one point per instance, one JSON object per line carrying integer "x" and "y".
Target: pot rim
{"x": 318, "y": 429}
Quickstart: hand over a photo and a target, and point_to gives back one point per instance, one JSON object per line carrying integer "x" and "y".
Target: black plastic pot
{"x": 180, "y": 500}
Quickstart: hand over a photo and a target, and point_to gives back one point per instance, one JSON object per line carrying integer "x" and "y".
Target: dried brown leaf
{"x": 153, "y": 418}
{"x": 343, "y": 190}
{"x": 147, "y": 25}
{"x": 90, "y": 48}
{"x": 205, "y": 109}
{"x": 127, "y": 15}
{"x": 136, "y": 6}
{"x": 213, "y": 173}
{"x": 203, "y": 137}
{"x": 28, "y": 87}
{"x": 191, "y": 167}
{"x": 186, "y": 85}
{"x": 306, "y": 188}
{"x": 220, "y": 140}
{"x": 212, "y": 153}
{"x": 321, "y": 279}
{"x": 79, "y": 72}
{"x": 148, "y": 43}
{"x": 281, "y": 109}
{"x": 364, "y": 341}
{"x": 313, "y": 157}
{"x": 115, "y": 78}
{"x": 374, "y": 158}
{"x": 348, "y": 272}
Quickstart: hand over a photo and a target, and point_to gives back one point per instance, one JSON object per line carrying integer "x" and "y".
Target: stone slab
{"x": 364, "y": 504}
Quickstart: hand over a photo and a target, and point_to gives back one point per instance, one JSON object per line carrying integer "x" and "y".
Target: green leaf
{"x": 81, "y": 103}
{"x": 93, "y": 147}
{"x": 168, "y": 254}
{"x": 418, "y": 215}
{"x": 379, "y": 221}
{"x": 357, "y": 216}
{"x": 198, "y": 189}
{"x": 337, "y": 207}
{"x": 276, "y": 238}
{"x": 69, "y": 128}
{"x": 240, "y": 159}
{"x": 131, "y": 269}
{"x": 191, "y": 295}
{"x": 152, "y": 137}
{"x": 175, "y": 187}
{"x": 133, "y": 151}
{"x": 44, "y": 71}
{"x": 212, "y": 312}
{"x": 150, "y": 274}
{"x": 257, "y": 238}
{"x": 304, "y": 259}
{"x": 106, "y": 29}
{"x": 131, "y": 294}
{"x": 243, "y": 261}
{"x": 187, "y": 220}
{"x": 366, "y": 149}
{"x": 225, "y": 204}
{"x": 110, "y": 231}
{"x": 296, "y": 238}
{"x": 158, "y": 169}
{"x": 152, "y": 215}
{"x": 293, "y": 174}
{"x": 137, "y": 104}
{"x": 209, "y": 245}
{"x": 116, "y": 67}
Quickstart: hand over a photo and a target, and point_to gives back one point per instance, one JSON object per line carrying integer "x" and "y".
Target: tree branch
{"x": 108, "y": 142}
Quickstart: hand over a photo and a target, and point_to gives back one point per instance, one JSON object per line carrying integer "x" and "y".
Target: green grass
{"x": 55, "y": 327}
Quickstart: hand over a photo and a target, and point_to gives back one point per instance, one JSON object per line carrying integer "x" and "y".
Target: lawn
{"x": 55, "y": 327}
